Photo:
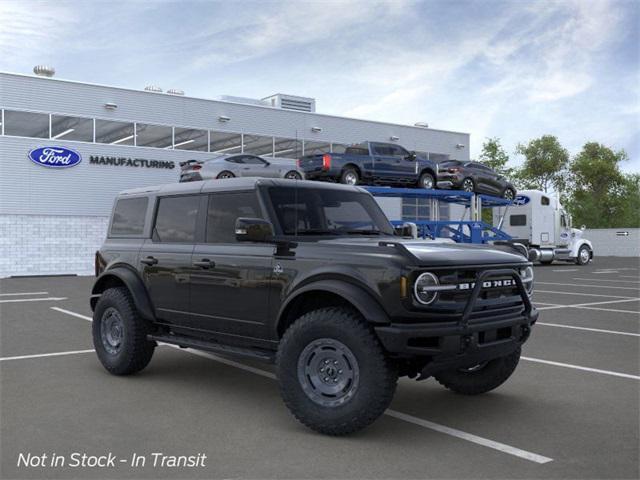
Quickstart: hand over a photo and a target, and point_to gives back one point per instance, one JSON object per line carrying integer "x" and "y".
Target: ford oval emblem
{"x": 55, "y": 157}
{"x": 521, "y": 200}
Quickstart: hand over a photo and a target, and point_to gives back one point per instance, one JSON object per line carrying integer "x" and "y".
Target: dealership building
{"x": 52, "y": 220}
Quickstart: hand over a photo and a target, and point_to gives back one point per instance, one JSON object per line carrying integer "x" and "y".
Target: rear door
{"x": 230, "y": 281}
{"x": 383, "y": 161}
{"x": 166, "y": 257}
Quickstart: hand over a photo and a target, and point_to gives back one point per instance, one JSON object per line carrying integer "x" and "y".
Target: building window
{"x": 258, "y": 145}
{"x": 128, "y": 216}
{"x": 176, "y": 219}
{"x": 287, "y": 148}
{"x": 114, "y": 133}
{"x": 223, "y": 142}
{"x": 314, "y": 148}
{"x": 191, "y": 139}
{"x": 416, "y": 209}
{"x": 157, "y": 136}
{"x": 26, "y": 124}
{"x": 71, "y": 128}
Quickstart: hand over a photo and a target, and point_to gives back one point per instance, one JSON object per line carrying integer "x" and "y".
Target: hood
{"x": 434, "y": 253}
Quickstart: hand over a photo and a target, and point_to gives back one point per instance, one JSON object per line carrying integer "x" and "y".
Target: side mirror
{"x": 253, "y": 230}
{"x": 583, "y": 228}
{"x": 412, "y": 156}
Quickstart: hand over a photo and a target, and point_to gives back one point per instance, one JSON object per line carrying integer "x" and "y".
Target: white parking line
{"x": 578, "y": 367}
{"x": 607, "y": 280}
{"x": 533, "y": 457}
{"x": 610, "y": 310}
{"x": 23, "y": 293}
{"x": 628, "y": 276}
{"x": 604, "y": 272}
{"x": 583, "y": 294}
{"x": 73, "y": 314}
{"x": 47, "y": 299}
{"x": 579, "y": 305}
{"x": 469, "y": 437}
{"x": 41, "y": 355}
{"x": 588, "y": 286}
{"x": 567, "y": 270}
{"x": 598, "y": 330}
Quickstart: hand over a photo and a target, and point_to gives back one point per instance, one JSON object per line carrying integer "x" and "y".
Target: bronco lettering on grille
{"x": 488, "y": 284}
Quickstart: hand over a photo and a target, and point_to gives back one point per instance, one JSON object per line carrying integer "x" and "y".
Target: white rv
{"x": 537, "y": 220}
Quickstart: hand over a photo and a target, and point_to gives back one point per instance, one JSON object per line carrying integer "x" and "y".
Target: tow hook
{"x": 526, "y": 331}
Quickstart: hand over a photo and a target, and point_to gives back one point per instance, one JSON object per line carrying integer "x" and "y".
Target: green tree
{"x": 494, "y": 156}
{"x": 600, "y": 195}
{"x": 545, "y": 164}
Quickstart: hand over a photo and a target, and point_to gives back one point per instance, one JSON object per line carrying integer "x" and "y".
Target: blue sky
{"x": 514, "y": 70}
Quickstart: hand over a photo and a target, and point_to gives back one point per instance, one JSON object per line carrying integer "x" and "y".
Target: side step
{"x": 187, "y": 342}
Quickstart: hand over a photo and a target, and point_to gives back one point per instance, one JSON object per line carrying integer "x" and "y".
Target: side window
{"x": 250, "y": 159}
{"x": 128, "y": 216}
{"x": 224, "y": 209}
{"x": 176, "y": 219}
{"x": 380, "y": 149}
{"x": 563, "y": 220}
{"x": 398, "y": 151}
{"x": 544, "y": 201}
{"x": 235, "y": 159}
{"x": 518, "y": 220}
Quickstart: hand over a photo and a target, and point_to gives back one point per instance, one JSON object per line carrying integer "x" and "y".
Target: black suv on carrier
{"x": 313, "y": 277}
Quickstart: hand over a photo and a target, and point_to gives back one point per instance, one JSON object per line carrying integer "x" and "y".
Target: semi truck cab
{"x": 539, "y": 221}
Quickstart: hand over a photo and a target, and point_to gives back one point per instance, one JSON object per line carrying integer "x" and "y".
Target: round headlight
{"x": 424, "y": 290}
{"x": 526, "y": 274}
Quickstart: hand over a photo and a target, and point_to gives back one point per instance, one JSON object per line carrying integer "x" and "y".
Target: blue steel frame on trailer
{"x": 462, "y": 231}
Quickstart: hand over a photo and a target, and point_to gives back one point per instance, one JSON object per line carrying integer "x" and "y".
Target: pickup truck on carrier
{"x": 372, "y": 163}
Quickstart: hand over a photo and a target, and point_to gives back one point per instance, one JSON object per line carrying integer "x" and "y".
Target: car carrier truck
{"x": 540, "y": 222}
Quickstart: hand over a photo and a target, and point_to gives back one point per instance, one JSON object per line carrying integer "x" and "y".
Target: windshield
{"x": 309, "y": 211}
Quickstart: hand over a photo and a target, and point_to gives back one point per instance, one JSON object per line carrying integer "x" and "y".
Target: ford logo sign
{"x": 521, "y": 200}
{"x": 55, "y": 157}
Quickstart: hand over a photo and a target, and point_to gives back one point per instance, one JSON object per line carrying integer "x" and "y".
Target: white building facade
{"x": 52, "y": 220}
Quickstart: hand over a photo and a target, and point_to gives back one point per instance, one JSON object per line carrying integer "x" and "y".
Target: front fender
{"x": 357, "y": 296}
{"x": 132, "y": 281}
{"x": 576, "y": 247}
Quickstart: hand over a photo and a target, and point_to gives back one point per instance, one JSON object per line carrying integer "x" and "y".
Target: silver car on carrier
{"x": 239, "y": 165}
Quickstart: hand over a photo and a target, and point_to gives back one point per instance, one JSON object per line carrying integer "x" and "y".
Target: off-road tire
{"x": 424, "y": 178}
{"x": 225, "y": 174}
{"x": 135, "y": 351}
{"x": 579, "y": 258}
{"x": 345, "y": 175}
{"x": 378, "y": 374}
{"x": 487, "y": 378}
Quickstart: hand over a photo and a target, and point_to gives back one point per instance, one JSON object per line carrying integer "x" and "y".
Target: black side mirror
{"x": 411, "y": 156}
{"x": 253, "y": 230}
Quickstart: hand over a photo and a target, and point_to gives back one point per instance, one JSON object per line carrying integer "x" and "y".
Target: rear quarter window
{"x": 128, "y": 216}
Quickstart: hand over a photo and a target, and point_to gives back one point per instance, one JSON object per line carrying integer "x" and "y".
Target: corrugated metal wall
{"x": 614, "y": 242}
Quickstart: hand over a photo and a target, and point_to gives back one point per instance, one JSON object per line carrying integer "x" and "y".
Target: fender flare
{"x": 133, "y": 282}
{"x": 363, "y": 301}
{"x": 580, "y": 243}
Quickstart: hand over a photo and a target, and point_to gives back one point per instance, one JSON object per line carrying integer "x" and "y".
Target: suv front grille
{"x": 499, "y": 299}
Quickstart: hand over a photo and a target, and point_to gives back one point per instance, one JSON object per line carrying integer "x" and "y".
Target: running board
{"x": 187, "y": 342}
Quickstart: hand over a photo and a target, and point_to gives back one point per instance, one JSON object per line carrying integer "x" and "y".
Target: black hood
{"x": 434, "y": 253}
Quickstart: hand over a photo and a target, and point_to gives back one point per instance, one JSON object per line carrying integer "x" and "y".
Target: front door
{"x": 166, "y": 258}
{"x": 230, "y": 281}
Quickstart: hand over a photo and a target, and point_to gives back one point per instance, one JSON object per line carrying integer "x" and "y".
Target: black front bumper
{"x": 465, "y": 342}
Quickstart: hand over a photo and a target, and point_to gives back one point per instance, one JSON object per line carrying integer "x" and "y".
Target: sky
{"x": 514, "y": 70}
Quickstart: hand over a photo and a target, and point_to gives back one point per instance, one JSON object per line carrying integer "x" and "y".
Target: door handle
{"x": 149, "y": 260}
{"x": 205, "y": 263}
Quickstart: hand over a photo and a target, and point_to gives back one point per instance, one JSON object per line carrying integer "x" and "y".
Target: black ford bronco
{"x": 312, "y": 277}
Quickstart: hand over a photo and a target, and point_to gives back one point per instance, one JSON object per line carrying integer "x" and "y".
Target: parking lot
{"x": 570, "y": 411}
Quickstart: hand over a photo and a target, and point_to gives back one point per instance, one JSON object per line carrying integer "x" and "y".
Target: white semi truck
{"x": 539, "y": 221}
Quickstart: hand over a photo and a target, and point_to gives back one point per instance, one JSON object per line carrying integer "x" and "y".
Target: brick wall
{"x": 49, "y": 245}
